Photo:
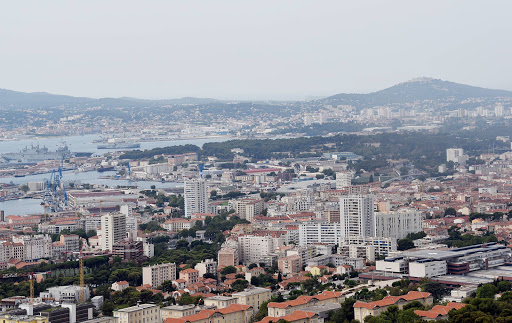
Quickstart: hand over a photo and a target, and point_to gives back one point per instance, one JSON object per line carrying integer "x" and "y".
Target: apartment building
{"x": 157, "y": 274}
{"x": 253, "y": 297}
{"x": 248, "y": 208}
{"x": 228, "y": 257}
{"x": 302, "y": 303}
{"x": 178, "y": 224}
{"x": 196, "y": 198}
{"x": 71, "y": 242}
{"x": 290, "y": 264}
{"x": 177, "y": 311}
{"x": 220, "y": 301}
{"x": 398, "y": 224}
{"x": 207, "y": 266}
{"x": 190, "y": 276}
{"x": 362, "y": 309}
{"x": 254, "y": 248}
{"x": 142, "y": 313}
{"x": 113, "y": 229}
{"x": 234, "y": 313}
{"x": 357, "y": 215}
{"x": 382, "y": 246}
{"x": 344, "y": 179}
{"x": 65, "y": 294}
{"x": 35, "y": 247}
{"x": 330, "y": 233}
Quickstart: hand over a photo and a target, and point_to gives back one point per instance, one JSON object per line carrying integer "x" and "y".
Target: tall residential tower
{"x": 196, "y": 198}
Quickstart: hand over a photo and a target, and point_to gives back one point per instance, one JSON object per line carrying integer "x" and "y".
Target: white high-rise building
{"x": 253, "y": 248}
{"x": 196, "y": 197}
{"x": 344, "y": 179}
{"x": 329, "y": 233}
{"x": 356, "y": 216}
{"x": 398, "y": 224}
{"x": 456, "y": 155}
{"x": 248, "y": 208}
{"x": 452, "y": 154}
{"x": 113, "y": 229}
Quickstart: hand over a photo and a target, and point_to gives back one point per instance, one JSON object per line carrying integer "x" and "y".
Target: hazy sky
{"x": 250, "y": 49}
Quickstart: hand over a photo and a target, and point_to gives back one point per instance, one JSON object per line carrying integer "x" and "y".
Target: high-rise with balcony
{"x": 157, "y": 274}
{"x": 196, "y": 198}
{"x": 356, "y": 216}
{"x": 113, "y": 230}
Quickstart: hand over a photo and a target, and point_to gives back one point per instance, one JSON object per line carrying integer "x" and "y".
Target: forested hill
{"x": 420, "y": 89}
{"x": 15, "y": 99}
{"x": 425, "y": 150}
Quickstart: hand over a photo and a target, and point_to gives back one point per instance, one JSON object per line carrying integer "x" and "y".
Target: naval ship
{"x": 34, "y": 154}
{"x": 119, "y": 144}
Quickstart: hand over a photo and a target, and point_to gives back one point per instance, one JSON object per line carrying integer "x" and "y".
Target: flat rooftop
{"x": 451, "y": 253}
{"x": 220, "y": 298}
{"x": 136, "y": 308}
{"x": 252, "y": 291}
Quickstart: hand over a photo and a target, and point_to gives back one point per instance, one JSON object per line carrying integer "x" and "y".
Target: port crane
{"x": 55, "y": 197}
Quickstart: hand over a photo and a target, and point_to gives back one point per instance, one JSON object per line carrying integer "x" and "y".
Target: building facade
{"x": 113, "y": 229}
{"x": 196, "y": 198}
{"x": 398, "y": 224}
{"x": 157, "y": 274}
{"x": 357, "y": 216}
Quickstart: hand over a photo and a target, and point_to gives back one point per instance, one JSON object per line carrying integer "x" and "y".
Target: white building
{"x": 113, "y": 229}
{"x": 36, "y": 247}
{"x": 330, "y": 233}
{"x": 344, "y": 179}
{"x": 196, "y": 197}
{"x": 142, "y": 313}
{"x": 67, "y": 294}
{"x": 357, "y": 216}
{"x": 254, "y": 248}
{"x": 207, "y": 266}
{"x": 248, "y": 208}
{"x": 427, "y": 268}
{"x": 456, "y": 155}
{"x": 398, "y": 224}
{"x": 382, "y": 246}
{"x": 157, "y": 274}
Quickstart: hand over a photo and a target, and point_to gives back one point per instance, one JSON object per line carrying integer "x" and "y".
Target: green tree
{"x": 228, "y": 270}
{"x": 405, "y": 244}
{"x": 167, "y": 286}
{"x": 486, "y": 291}
{"x": 24, "y": 188}
{"x": 437, "y": 290}
{"x": 239, "y": 285}
{"x": 91, "y": 233}
{"x": 450, "y": 211}
{"x": 504, "y": 286}
{"x": 262, "y": 312}
{"x": 107, "y": 308}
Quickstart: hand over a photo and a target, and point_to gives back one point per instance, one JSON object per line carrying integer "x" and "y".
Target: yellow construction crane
{"x": 82, "y": 279}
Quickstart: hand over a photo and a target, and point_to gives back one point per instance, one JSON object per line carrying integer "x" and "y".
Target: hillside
{"x": 15, "y": 99}
{"x": 419, "y": 89}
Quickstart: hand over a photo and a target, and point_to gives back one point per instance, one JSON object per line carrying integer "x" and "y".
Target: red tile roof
{"x": 439, "y": 310}
{"x": 295, "y": 316}
{"x": 390, "y": 300}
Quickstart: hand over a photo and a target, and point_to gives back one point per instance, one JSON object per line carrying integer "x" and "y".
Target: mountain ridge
{"x": 417, "y": 89}
{"x": 414, "y": 90}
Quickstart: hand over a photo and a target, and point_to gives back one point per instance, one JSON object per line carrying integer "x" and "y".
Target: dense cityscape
{"x": 382, "y": 206}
